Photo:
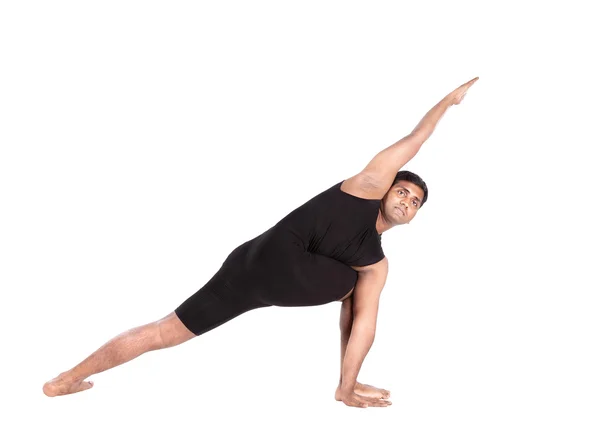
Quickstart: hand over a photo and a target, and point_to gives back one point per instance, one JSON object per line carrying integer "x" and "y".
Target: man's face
{"x": 402, "y": 202}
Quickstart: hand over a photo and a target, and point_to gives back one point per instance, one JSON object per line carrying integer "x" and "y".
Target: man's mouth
{"x": 401, "y": 211}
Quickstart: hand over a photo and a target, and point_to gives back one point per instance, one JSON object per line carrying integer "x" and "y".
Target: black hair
{"x": 405, "y": 175}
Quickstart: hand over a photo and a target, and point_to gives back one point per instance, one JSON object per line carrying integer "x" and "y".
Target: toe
{"x": 49, "y": 390}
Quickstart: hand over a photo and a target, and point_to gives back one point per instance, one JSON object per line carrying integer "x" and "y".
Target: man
{"x": 328, "y": 249}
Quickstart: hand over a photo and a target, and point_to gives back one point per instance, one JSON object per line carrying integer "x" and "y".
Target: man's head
{"x": 405, "y": 197}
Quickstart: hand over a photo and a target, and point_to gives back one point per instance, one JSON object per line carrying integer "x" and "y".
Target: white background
{"x": 142, "y": 141}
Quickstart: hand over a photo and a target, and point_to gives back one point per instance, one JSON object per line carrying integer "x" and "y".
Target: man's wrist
{"x": 347, "y": 386}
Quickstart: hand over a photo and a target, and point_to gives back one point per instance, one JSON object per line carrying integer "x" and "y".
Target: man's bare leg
{"x": 166, "y": 332}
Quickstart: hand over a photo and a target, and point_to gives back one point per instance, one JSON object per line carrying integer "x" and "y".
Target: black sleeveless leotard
{"x": 304, "y": 260}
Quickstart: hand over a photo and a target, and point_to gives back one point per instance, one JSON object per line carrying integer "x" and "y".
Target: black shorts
{"x": 294, "y": 278}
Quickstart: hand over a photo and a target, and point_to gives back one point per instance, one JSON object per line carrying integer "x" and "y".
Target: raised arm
{"x": 365, "y": 306}
{"x": 376, "y": 178}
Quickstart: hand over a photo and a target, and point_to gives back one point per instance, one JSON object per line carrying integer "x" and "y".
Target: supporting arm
{"x": 364, "y": 307}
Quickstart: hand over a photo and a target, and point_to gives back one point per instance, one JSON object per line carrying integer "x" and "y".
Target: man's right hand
{"x": 352, "y": 399}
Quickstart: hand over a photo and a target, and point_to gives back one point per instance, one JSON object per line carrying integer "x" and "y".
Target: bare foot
{"x": 366, "y": 390}
{"x": 63, "y": 386}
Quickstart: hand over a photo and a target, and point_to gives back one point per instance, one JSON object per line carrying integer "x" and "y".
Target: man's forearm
{"x": 346, "y": 317}
{"x": 425, "y": 127}
{"x": 359, "y": 344}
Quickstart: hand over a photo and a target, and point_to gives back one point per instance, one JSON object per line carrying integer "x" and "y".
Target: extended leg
{"x": 166, "y": 332}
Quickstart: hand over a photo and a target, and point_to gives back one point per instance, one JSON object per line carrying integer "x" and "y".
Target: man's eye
{"x": 401, "y": 192}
